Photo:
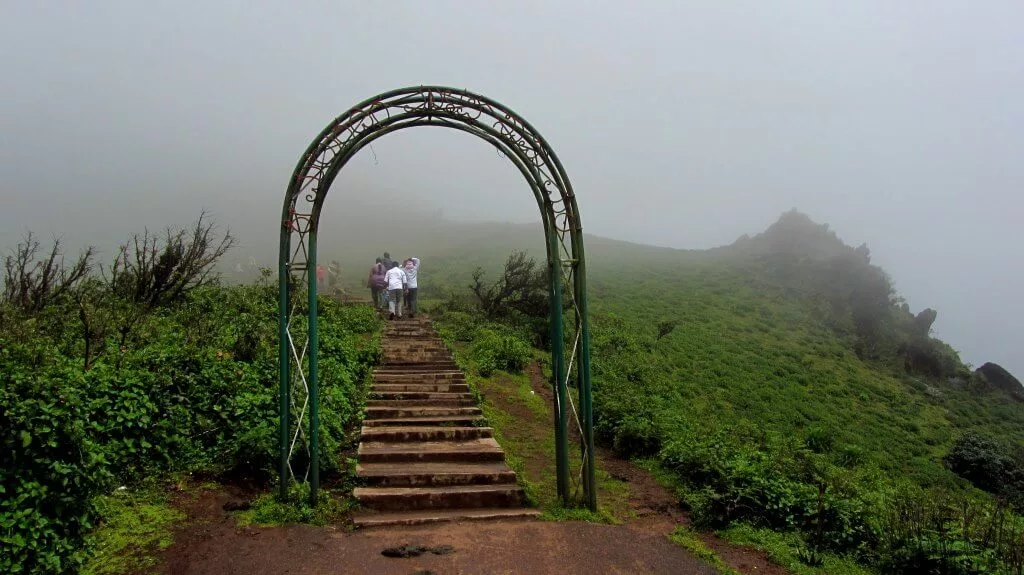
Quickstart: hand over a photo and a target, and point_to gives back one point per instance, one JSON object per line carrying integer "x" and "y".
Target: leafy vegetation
{"x": 688, "y": 539}
{"x": 793, "y": 398}
{"x": 269, "y": 509}
{"x": 102, "y": 386}
{"x": 789, "y": 390}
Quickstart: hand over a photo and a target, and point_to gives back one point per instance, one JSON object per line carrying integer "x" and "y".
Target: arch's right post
{"x": 283, "y": 360}
{"x": 586, "y": 397}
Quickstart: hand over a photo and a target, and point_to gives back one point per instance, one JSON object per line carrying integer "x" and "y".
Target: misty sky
{"x": 682, "y": 124}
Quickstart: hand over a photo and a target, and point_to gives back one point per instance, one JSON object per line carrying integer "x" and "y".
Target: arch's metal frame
{"x": 517, "y": 140}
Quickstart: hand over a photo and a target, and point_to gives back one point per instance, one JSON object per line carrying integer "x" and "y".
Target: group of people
{"x": 392, "y": 285}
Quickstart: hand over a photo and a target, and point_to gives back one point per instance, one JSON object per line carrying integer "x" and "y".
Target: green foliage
{"x": 688, "y": 539}
{"x": 190, "y": 387}
{"x": 558, "y": 513}
{"x": 457, "y": 326}
{"x": 491, "y": 351}
{"x": 788, "y": 550}
{"x": 797, "y": 396}
{"x": 268, "y": 510}
{"x": 50, "y": 465}
{"x": 957, "y": 535}
{"x": 986, "y": 464}
{"x": 492, "y": 346}
{"x": 134, "y": 525}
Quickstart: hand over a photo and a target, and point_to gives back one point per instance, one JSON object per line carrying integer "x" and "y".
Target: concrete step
{"x": 426, "y": 454}
{"x": 407, "y": 376}
{"x": 416, "y": 355}
{"x": 369, "y": 520}
{"x": 437, "y": 420}
{"x": 480, "y": 450}
{"x": 402, "y": 412}
{"x": 447, "y": 497}
{"x": 413, "y": 343}
{"x": 420, "y": 388}
{"x": 434, "y": 474}
{"x": 408, "y": 359}
{"x": 419, "y": 366}
{"x": 419, "y": 395}
{"x": 401, "y": 433}
{"x": 414, "y": 403}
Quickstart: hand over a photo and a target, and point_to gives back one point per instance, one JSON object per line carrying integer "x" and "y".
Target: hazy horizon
{"x": 681, "y": 124}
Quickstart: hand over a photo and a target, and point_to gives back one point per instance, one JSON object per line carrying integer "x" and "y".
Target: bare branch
{"x": 163, "y": 269}
{"x": 30, "y": 284}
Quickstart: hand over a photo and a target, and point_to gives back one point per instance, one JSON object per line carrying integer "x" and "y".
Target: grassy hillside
{"x": 752, "y": 341}
{"x": 795, "y": 393}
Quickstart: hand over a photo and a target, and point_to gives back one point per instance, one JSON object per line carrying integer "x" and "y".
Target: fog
{"x": 681, "y": 124}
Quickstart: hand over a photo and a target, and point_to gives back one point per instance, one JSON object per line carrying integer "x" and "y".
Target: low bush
{"x": 193, "y": 388}
{"x": 985, "y": 463}
{"x": 491, "y": 351}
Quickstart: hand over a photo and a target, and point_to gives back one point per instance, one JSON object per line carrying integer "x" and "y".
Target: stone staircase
{"x": 424, "y": 453}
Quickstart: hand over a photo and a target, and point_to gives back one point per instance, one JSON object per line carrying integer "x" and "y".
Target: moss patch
{"x": 136, "y": 525}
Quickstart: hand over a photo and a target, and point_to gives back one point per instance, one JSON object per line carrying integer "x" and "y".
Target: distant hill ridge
{"x": 794, "y": 253}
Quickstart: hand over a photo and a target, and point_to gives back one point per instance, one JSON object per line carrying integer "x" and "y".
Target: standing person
{"x": 412, "y": 268}
{"x": 377, "y": 283}
{"x": 320, "y": 275}
{"x": 397, "y": 282}
{"x": 388, "y": 264}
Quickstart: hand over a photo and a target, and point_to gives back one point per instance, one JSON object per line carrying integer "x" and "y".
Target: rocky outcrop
{"x": 993, "y": 374}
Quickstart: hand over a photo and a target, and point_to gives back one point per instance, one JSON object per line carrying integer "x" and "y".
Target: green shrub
{"x": 191, "y": 387}
{"x": 51, "y": 468}
{"x": 984, "y": 463}
{"x": 491, "y": 351}
{"x": 269, "y": 509}
{"x": 819, "y": 439}
{"x": 457, "y": 326}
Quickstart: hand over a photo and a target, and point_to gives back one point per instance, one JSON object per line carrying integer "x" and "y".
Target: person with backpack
{"x": 397, "y": 284}
{"x": 377, "y": 282}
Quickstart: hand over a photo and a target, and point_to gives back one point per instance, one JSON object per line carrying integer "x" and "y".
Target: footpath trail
{"x": 432, "y": 470}
{"x": 424, "y": 452}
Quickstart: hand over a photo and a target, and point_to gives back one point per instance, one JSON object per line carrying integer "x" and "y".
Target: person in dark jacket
{"x": 377, "y": 283}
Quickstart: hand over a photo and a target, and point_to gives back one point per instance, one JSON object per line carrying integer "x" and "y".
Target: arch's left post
{"x": 282, "y": 353}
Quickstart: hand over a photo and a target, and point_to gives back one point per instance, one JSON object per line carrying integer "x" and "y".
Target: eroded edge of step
{"x": 369, "y": 520}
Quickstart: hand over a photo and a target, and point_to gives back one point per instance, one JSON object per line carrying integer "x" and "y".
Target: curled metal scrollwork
{"x": 435, "y": 104}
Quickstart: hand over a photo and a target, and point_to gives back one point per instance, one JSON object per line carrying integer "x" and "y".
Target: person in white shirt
{"x": 412, "y": 268}
{"x": 397, "y": 282}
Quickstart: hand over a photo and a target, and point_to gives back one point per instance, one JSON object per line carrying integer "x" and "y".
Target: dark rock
{"x": 424, "y": 572}
{"x": 237, "y": 505}
{"x": 994, "y": 375}
{"x": 923, "y": 322}
{"x": 403, "y": 551}
{"x": 406, "y": 551}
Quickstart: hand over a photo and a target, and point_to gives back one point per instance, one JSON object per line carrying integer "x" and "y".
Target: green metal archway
{"x": 517, "y": 140}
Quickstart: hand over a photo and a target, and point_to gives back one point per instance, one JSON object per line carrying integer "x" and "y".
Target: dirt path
{"x": 211, "y": 543}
